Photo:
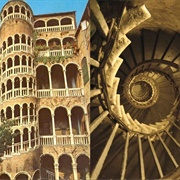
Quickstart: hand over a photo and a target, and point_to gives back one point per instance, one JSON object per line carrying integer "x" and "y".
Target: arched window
{"x": 85, "y": 72}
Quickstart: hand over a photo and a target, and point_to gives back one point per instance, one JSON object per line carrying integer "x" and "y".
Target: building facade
{"x": 44, "y": 91}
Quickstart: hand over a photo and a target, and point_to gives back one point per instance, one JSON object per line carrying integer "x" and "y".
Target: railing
{"x": 17, "y": 92}
{"x": 54, "y": 28}
{"x": 46, "y": 140}
{"x": 60, "y": 92}
{"x": 47, "y": 175}
{"x": 16, "y": 15}
{"x": 47, "y": 53}
{"x": 81, "y": 139}
{"x": 63, "y": 140}
{"x": 16, "y": 48}
{"x": 16, "y": 70}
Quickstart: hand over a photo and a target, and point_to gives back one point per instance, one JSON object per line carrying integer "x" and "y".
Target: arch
{"x": 16, "y": 82}
{"x": 16, "y": 9}
{"x": 16, "y": 60}
{"x": 9, "y": 85}
{"x": 45, "y": 122}
{"x": 23, "y": 10}
{"x": 29, "y": 41}
{"x": 22, "y": 176}
{"x": 3, "y": 66}
{"x": 36, "y": 175}
{"x": 54, "y": 44}
{"x": 8, "y": 112}
{"x": 53, "y": 22}
{"x": 41, "y": 44}
{"x": 16, "y": 39}
{"x": 39, "y": 23}
{"x": 73, "y": 76}
{"x": 65, "y": 167}
{"x": 23, "y": 39}
{"x": 30, "y": 82}
{"x": 4, "y": 45}
{"x": 57, "y": 77}
{"x": 24, "y": 109}
{"x": 3, "y": 88}
{"x": 24, "y": 82}
{"x": 84, "y": 65}
{"x": 66, "y": 21}
{"x": 23, "y": 60}
{"x": 29, "y": 61}
{"x": 9, "y": 63}
{"x": 42, "y": 77}
{"x": 83, "y": 166}
{"x": 16, "y": 110}
{"x": 4, "y": 176}
{"x": 10, "y": 41}
{"x": 28, "y": 14}
{"x": 17, "y": 138}
{"x": 10, "y": 10}
{"x": 47, "y": 166}
{"x": 5, "y": 13}
{"x": 68, "y": 42}
{"x": 61, "y": 121}
{"x": 78, "y": 120}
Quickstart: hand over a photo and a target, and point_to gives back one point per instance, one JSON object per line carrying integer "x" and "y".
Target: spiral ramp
{"x": 135, "y": 81}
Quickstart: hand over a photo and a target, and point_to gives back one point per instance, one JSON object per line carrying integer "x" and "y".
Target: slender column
{"x": 74, "y": 167}
{"x": 56, "y": 170}
{"x": 70, "y": 128}
{"x": 28, "y": 86}
{"x": 27, "y": 65}
{"x": 29, "y": 139}
{"x": 12, "y": 113}
{"x": 53, "y": 128}
{"x": 13, "y": 145}
{"x": 5, "y": 92}
{"x": 20, "y": 61}
{"x": 13, "y": 89}
{"x": 6, "y": 68}
{"x": 50, "y": 82}
{"x": 65, "y": 82}
{"x": 21, "y": 139}
{"x": 81, "y": 82}
{"x": 62, "y": 47}
{"x": 28, "y": 113}
{"x": 13, "y": 66}
{"x": 20, "y": 114}
{"x": 35, "y": 142}
{"x": 87, "y": 127}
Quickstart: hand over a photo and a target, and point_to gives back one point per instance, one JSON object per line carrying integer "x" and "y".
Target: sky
{"x": 55, "y": 6}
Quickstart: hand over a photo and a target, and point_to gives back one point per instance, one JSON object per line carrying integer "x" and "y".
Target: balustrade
{"x": 47, "y": 53}
{"x": 54, "y": 28}
{"x": 16, "y": 48}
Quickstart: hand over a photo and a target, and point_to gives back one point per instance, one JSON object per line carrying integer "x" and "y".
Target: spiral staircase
{"x": 135, "y": 79}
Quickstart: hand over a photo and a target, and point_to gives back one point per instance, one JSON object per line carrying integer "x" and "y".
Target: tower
{"x": 42, "y": 92}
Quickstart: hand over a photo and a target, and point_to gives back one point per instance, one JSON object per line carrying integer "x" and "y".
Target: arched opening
{"x": 47, "y": 167}
{"x": 21, "y": 177}
{"x": 36, "y": 175}
{"x": 39, "y": 23}
{"x": 30, "y": 83}
{"x": 25, "y": 139}
{"x": 66, "y": 21}
{"x": 3, "y": 88}
{"x": 10, "y": 10}
{"x": 45, "y": 122}
{"x": 41, "y": 45}
{"x": 2, "y": 115}
{"x": 29, "y": 41}
{"x": 4, "y": 45}
{"x": 5, "y": 13}
{"x": 24, "y": 110}
{"x": 28, "y": 14}
{"x": 10, "y": 41}
{"x": 24, "y": 60}
{"x": 61, "y": 121}
{"x": 57, "y": 77}
{"x": 3, "y": 66}
{"x": 24, "y": 82}
{"x": 16, "y": 61}
{"x": 68, "y": 42}
{"x": 16, "y": 9}
{"x": 83, "y": 167}
{"x": 85, "y": 72}
{"x": 65, "y": 167}
{"x": 54, "y": 44}
{"x": 29, "y": 62}
{"x": 8, "y": 112}
{"x": 4, "y": 177}
{"x": 16, "y": 39}
{"x": 9, "y": 85}
{"x": 16, "y": 83}
{"x": 42, "y": 77}
{"x": 23, "y": 39}
{"x": 9, "y": 63}
{"x": 73, "y": 76}
{"x": 23, "y": 10}
{"x": 78, "y": 121}
{"x": 32, "y": 137}
{"x": 17, "y": 139}
{"x": 53, "y": 22}
{"x": 16, "y": 111}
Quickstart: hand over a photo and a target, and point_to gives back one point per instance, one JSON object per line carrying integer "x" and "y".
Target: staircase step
{"x": 163, "y": 41}
{"x": 149, "y": 42}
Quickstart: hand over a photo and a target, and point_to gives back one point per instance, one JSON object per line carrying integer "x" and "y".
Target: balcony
{"x": 54, "y": 28}
{"x": 60, "y": 92}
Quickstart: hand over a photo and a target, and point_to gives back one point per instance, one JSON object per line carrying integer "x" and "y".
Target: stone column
{"x": 50, "y": 83}
{"x": 28, "y": 113}
{"x": 29, "y": 139}
{"x": 65, "y": 82}
{"x": 28, "y": 86}
{"x": 53, "y": 128}
{"x": 56, "y": 170}
{"x": 21, "y": 114}
{"x": 21, "y": 139}
{"x": 70, "y": 128}
{"x": 74, "y": 167}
